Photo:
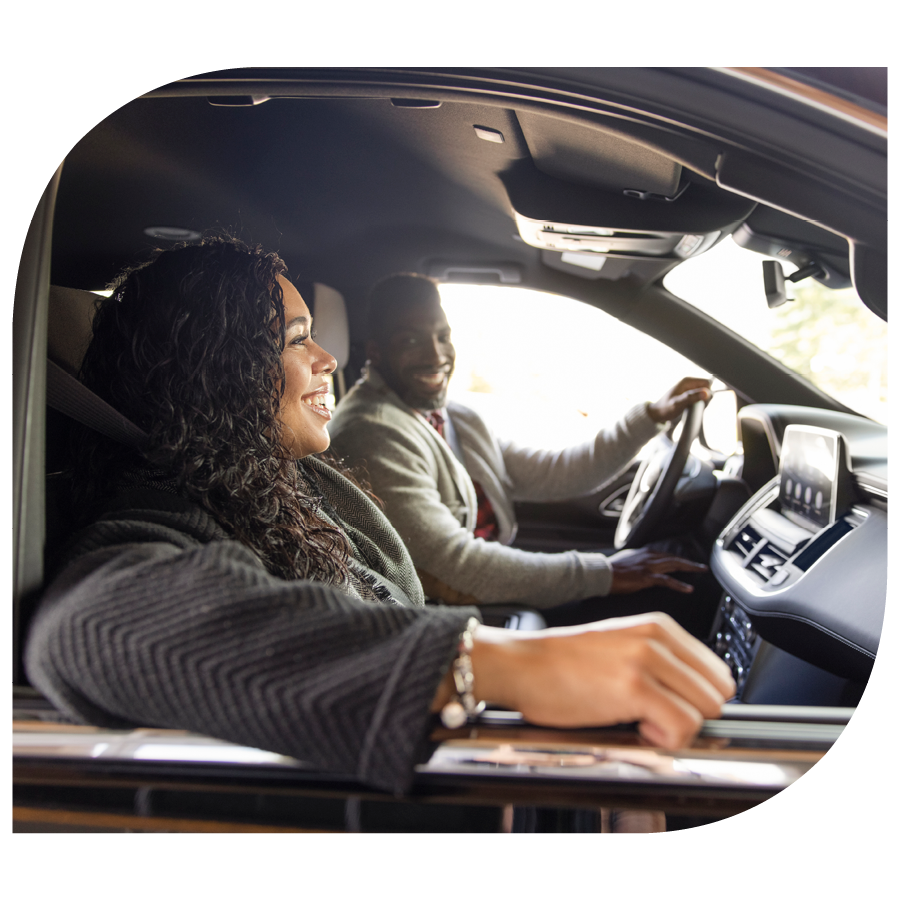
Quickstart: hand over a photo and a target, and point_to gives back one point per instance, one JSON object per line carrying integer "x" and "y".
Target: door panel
{"x": 584, "y": 523}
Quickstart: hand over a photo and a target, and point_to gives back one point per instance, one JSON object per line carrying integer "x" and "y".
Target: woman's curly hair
{"x": 188, "y": 347}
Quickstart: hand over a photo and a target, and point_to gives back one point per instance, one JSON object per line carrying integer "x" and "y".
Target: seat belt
{"x": 68, "y": 395}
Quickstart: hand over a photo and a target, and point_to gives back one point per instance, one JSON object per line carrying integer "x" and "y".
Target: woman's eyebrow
{"x": 298, "y": 320}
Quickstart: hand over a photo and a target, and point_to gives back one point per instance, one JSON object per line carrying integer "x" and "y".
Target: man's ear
{"x": 373, "y": 352}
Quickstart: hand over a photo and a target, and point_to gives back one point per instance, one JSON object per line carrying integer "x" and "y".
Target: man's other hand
{"x": 675, "y": 401}
{"x": 634, "y": 570}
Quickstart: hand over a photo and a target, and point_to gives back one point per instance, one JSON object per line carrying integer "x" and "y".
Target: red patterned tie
{"x": 486, "y": 526}
{"x": 435, "y": 420}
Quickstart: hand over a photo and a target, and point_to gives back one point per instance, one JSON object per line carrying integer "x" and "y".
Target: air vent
{"x": 767, "y": 561}
{"x": 746, "y": 541}
{"x": 757, "y": 553}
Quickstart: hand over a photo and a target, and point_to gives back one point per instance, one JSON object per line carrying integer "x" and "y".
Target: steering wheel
{"x": 654, "y": 485}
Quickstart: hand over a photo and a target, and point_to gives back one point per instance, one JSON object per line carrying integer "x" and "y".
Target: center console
{"x": 802, "y": 565}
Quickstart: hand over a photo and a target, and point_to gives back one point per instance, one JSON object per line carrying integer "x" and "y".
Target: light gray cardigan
{"x": 430, "y": 499}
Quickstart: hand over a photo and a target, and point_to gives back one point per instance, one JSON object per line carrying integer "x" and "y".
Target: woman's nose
{"x": 325, "y": 362}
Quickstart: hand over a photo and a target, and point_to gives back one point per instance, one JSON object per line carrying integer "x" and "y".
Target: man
{"x": 448, "y": 485}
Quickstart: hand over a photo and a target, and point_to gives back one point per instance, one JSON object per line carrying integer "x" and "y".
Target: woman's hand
{"x": 634, "y": 570}
{"x": 643, "y": 669}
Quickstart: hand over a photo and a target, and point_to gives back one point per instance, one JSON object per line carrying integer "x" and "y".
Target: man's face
{"x": 417, "y": 357}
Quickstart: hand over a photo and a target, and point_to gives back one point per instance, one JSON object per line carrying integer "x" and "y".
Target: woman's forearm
{"x": 643, "y": 669}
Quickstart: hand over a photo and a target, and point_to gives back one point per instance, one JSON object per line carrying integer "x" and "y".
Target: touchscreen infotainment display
{"x": 809, "y": 474}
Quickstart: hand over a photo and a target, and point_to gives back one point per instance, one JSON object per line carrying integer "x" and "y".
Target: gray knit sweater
{"x": 159, "y": 618}
{"x": 429, "y": 495}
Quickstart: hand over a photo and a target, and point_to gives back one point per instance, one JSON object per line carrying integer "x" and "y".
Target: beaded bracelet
{"x": 463, "y": 707}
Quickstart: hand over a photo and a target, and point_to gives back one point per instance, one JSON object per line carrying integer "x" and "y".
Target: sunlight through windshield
{"x": 826, "y": 336}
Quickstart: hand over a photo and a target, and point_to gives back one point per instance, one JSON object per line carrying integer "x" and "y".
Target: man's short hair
{"x": 392, "y": 297}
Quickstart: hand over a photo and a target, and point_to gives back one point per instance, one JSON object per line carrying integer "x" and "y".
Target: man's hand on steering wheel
{"x": 634, "y": 570}
{"x": 676, "y": 400}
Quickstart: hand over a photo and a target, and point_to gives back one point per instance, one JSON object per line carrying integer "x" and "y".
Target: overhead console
{"x": 805, "y": 558}
{"x": 601, "y": 194}
{"x": 563, "y": 216}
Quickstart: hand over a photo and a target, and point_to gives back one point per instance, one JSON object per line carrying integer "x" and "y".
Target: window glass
{"x": 827, "y": 336}
{"x": 548, "y": 371}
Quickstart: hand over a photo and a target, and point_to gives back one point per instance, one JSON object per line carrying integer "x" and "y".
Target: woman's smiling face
{"x": 303, "y": 414}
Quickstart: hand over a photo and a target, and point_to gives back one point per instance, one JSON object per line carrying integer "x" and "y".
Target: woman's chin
{"x": 311, "y": 446}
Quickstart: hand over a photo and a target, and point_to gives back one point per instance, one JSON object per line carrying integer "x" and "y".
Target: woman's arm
{"x": 643, "y": 669}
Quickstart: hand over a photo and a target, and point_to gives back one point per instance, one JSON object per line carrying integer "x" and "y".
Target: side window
{"x": 549, "y": 371}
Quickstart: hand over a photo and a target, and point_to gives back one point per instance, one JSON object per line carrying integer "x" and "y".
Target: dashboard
{"x": 803, "y": 563}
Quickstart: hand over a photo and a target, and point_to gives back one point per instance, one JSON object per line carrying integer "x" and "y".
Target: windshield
{"x": 829, "y": 337}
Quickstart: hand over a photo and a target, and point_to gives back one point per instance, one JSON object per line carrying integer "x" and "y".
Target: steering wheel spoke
{"x": 653, "y": 488}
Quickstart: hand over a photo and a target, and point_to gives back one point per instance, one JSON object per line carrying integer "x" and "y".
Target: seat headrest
{"x": 330, "y": 316}
{"x": 71, "y": 312}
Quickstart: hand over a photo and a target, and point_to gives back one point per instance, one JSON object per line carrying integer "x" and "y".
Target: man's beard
{"x": 412, "y": 397}
{"x": 417, "y": 401}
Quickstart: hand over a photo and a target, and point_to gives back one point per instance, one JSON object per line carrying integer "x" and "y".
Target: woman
{"x": 231, "y": 582}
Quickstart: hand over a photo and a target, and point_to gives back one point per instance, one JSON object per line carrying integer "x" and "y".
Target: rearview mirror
{"x": 773, "y": 279}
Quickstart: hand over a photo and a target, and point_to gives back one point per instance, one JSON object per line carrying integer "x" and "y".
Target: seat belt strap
{"x": 69, "y": 396}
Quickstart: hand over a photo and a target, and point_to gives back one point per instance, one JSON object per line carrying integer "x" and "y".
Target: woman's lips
{"x": 315, "y": 400}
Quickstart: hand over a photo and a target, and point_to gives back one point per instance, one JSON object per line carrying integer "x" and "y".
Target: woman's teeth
{"x": 316, "y": 402}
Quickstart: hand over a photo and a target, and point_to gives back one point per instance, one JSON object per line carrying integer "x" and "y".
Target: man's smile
{"x": 431, "y": 380}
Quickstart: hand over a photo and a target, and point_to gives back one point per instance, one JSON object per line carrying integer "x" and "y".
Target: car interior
{"x": 588, "y": 184}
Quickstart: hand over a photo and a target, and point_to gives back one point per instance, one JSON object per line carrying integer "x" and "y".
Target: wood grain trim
{"x": 71, "y": 818}
{"x": 813, "y": 95}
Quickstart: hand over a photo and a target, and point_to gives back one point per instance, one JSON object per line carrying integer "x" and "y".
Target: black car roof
{"x": 351, "y": 174}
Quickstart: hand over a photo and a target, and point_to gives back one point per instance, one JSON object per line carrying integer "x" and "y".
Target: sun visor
{"x": 596, "y": 157}
{"x": 558, "y": 215}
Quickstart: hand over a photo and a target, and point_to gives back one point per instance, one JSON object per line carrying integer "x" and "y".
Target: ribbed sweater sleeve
{"x": 151, "y": 627}
{"x": 542, "y": 475}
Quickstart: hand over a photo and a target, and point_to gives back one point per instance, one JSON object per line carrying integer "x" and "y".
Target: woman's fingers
{"x": 666, "y": 633}
{"x": 687, "y": 679}
{"x": 643, "y": 668}
{"x": 669, "y": 721}
{"x": 674, "y": 698}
